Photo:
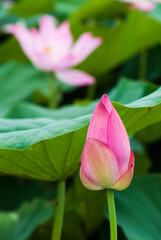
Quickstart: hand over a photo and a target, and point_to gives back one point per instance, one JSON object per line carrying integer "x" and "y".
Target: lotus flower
{"x": 52, "y": 48}
{"x": 144, "y": 5}
{"x": 107, "y": 160}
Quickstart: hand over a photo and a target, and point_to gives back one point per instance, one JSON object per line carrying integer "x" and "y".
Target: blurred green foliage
{"x": 132, "y": 210}
{"x": 46, "y": 144}
{"x": 20, "y": 224}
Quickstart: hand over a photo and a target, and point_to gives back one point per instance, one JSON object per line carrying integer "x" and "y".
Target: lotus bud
{"x": 107, "y": 160}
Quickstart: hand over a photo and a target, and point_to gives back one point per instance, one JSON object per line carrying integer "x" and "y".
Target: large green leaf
{"x": 19, "y": 225}
{"x": 27, "y": 8}
{"x": 136, "y": 115}
{"x": 11, "y": 50}
{"x": 7, "y": 125}
{"x": 30, "y": 110}
{"x": 127, "y": 91}
{"x": 148, "y": 112}
{"x": 65, "y": 8}
{"x": 134, "y": 91}
{"x": 150, "y": 134}
{"x": 3, "y": 11}
{"x": 139, "y": 208}
{"x": 18, "y": 82}
{"x": 142, "y": 160}
{"x": 48, "y": 153}
{"x": 52, "y": 152}
{"x": 155, "y": 14}
{"x": 118, "y": 45}
{"x": 29, "y": 131}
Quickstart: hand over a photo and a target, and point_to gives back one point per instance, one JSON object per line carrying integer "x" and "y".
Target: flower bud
{"x": 107, "y": 160}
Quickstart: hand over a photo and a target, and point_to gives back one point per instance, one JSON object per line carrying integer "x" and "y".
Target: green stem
{"x": 51, "y": 90}
{"x": 91, "y": 91}
{"x": 55, "y": 91}
{"x": 58, "y": 221}
{"x": 112, "y": 214}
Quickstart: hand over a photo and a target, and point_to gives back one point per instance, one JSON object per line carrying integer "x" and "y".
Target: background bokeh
{"x": 127, "y": 66}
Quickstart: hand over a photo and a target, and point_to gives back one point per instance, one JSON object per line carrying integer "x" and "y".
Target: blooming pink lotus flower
{"x": 144, "y": 5}
{"x": 107, "y": 159}
{"x": 52, "y": 48}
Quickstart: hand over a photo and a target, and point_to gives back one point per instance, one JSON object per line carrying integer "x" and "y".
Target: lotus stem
{"x": 112, "y": 214}
{"x": 91, "y": 90}
{"x": 59, "y": 213}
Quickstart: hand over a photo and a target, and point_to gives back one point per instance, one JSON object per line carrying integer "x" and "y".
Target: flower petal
{"x": 145, "y": 6}
{"x": 84, "y": 46}
{"x": 25, "y": 39}
{"x": 99, "y": 164}
{"x": 33, "y": 46}
{"x": 99, "y": 122}
{"x": 124, "y": 181}
{"x": 129, "y": 1}
{"x": 47, "y": 26}
{"x": 75, "y": 77}
{"x": 61, "y": 43}
{"x": 106, "y": 102}
{"x": 118, "y": 140}
{"x": 87, "y": 183}
{"x": 106, "y": 126}
{"x": 58, "y": 40}
{"x": 43, "y": 61}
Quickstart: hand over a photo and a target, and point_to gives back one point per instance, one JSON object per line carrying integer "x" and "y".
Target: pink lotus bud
{"x": 144, "y": 5}
{"x": 107, "y": 159}
{"x": 51, "y": 48}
